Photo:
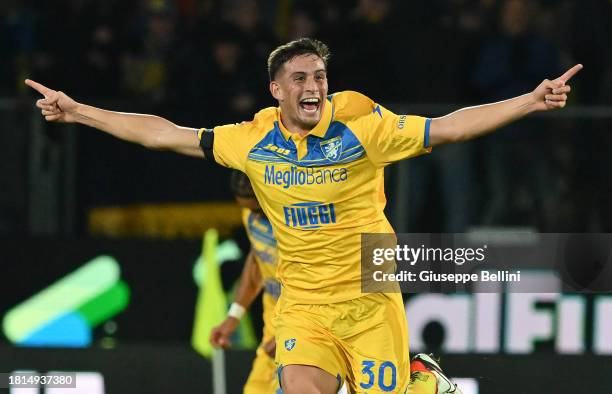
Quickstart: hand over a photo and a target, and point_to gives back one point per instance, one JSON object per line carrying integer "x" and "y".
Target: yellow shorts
{"x": 262, "y": 379}
{"x": 363, "y": 341}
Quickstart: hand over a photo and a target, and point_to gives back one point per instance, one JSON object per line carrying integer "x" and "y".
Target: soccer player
{"x": 258, "y": 272}
{"x": 316, "y": 163}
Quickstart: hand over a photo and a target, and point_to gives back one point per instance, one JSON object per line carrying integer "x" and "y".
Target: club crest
{"x": 290, "y": 343}
{"x": 332, "y": 149}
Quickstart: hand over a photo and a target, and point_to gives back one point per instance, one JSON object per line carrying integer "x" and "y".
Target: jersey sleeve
{"x": 227, "y": 145}
{"x": 387, "y": 137}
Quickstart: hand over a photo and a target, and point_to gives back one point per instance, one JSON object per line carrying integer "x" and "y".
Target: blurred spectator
{"x": 303, "y": 24}
{"x": 9, "y": 20}
{"x": 590, "y": 38}
{"x": 17, "y": 42}
{"x": 80, "y": 53}
{"x": 462, "y": 23}
{"x": 446, "y": 177}
{"x": 519, "y": 175}
{"x": 448, "y": 172}
{"x": 234, "y": 88}
{"x": 255, "y": 38}
{"x": 101, "y": 50}
{"x": 376, "y": 68}
{"x": 153, "y": 44}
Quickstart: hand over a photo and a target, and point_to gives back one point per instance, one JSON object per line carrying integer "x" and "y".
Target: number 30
{"x": 367, "y": 370}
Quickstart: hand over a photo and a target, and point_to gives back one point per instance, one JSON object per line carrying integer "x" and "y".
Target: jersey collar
{"x": 319, "y": 130}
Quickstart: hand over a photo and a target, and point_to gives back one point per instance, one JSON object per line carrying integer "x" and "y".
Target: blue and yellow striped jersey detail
{"x": 263, "y": 246}
{"x": 322, "y": 190}
{"x": 340, "y": 146}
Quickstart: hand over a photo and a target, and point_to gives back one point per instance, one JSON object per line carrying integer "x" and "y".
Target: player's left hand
{"x": 553, "y": 94}
{"x": 270, "y": 347}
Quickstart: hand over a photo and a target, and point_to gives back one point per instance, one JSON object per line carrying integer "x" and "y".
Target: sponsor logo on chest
{"x": 309, "y": 215}
{"x": 303, "y": 176}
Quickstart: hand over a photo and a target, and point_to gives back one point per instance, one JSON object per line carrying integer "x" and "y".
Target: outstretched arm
{"x": 150, "y": 131}
{"x": 472, "y": 122}
{"x": 250, "y": 285}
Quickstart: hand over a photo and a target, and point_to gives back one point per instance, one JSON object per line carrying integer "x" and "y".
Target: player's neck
{"x": 293, "y": 127}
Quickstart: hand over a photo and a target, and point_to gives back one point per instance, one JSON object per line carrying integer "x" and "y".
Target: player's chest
{"x": 309, "y": 169}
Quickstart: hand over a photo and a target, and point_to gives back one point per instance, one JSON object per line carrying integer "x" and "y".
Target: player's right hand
{"x": 56, "y": 106}
{"x": 220, "y": 335}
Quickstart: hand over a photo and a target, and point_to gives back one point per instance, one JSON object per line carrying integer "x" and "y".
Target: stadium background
{"x": 70, "y": 194}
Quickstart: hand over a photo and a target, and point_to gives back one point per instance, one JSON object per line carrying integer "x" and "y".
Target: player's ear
{"x": 275, "y": 89}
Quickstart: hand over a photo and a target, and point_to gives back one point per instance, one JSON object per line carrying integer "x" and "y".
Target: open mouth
{"x": 310, "y": 104}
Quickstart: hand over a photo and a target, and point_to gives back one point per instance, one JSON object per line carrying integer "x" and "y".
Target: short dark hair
{"x": 241, "y": 185}
{"x": 286, "y": 52}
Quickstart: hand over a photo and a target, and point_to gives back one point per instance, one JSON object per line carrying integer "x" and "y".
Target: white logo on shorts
{"x": 290, "y": 343}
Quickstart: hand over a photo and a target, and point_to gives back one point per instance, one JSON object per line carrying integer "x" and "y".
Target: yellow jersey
{"x": 263, "y": 245}
{"x": 321, "y": 191}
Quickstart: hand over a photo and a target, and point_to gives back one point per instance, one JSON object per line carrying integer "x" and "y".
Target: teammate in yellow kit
{"x": 258, "y": 273}
{"x": 316, "y": 163}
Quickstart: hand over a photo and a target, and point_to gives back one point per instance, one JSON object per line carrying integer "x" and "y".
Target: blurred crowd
{"x": 203, "y": 62}
{"x": 211, "y": 54}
